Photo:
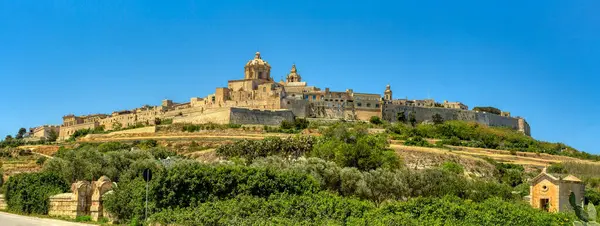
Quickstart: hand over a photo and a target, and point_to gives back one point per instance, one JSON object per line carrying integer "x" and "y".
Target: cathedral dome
{"x": 257, "y": 68}
{"x": 258, "y": 61}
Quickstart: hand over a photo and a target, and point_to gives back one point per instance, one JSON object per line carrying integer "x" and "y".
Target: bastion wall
{"x": 391, "y": 111}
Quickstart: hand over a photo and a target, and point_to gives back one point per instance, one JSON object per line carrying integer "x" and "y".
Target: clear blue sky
{"x": 536, "y": 59}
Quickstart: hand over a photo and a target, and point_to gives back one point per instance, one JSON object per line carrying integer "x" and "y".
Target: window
{"x": 358, "y": 104}
{"x": 376, "y": 105}
{"x": 368, "y": 105}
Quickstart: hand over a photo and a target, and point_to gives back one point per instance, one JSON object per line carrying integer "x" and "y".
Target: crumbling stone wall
{"x": 99, "y": 188}
{"x": 73, "y": 204}
{"x": 3, "y": 205}
{"x": 85, "y": 199}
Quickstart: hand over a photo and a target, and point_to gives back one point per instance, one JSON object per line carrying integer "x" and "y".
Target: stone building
{"x": 72, "y": 123}
{"x": 551, "y": 193}
{"x": 42, "y": 132}
{"x": 277, "y": 101}
{"x": 455, "y": 105}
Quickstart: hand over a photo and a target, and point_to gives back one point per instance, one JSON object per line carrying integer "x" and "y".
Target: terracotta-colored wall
{"x": 538, "y": 192}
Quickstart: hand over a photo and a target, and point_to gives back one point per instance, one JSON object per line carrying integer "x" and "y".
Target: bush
{"x": 375, "y": 120}
{"x": 453, "y": 167}
{"x": 87, "y": 163}
{"x": 40, "y": 161}
{"x": 471, "y": 134}
{"x": 437, "y": 119}
{"x": 284, "y": 209}
{"x": 327, "y": 209}
{"x": 492, "y": 110}
{"x": 190, "y": 183}
{"x": 112, "y": 146}
{"x": 354, "y": 147}
{"x": 251, "y": 149}
{"x": 146, "y": 144}
{"x": 83, "y": 219}
{"x": 417, "y": 141}
{"x": 30, "y": 192}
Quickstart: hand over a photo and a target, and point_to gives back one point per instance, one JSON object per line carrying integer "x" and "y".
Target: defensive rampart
{"x": 259, "y": 117}
{"x": 391, "y": 111}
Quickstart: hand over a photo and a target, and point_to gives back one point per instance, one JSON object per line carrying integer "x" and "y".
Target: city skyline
{"x": 85, "y": 58}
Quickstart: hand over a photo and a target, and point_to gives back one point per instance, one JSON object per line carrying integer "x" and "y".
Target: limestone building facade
{"x": 551, "y": 193}
{"x": 257, "y": 99}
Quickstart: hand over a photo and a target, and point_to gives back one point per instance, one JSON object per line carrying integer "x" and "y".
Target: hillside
{"x": 451, "y": 141}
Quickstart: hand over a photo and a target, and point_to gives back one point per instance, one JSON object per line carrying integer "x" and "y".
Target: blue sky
{"x": 536, "y": 59}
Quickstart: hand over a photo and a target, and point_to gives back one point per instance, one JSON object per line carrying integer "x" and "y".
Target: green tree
{"x": 21, "y": 133}
{"x": 453, "y": 167}
{"x": 412, "y": 118}
{"x": 8, "y": 138}
{"x": 437, "y": 119}
{"x": 117, "y": 126}
{"x": 401, "y": 117}
{"x": 52, "y": 136}
{"x": 30, "y": 192}
{"x": 375, "y": 120}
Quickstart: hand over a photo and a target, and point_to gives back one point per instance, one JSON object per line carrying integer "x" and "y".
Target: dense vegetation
{"x": 470, "y": 134}
{"x": 492, "y": 110}
{"x": 346, "y": 146}
{"x": 29, "y": 193}
{"x": 344, "y": 177}
{"x": 328, "y": 209}
{"x": 113, "y": 159}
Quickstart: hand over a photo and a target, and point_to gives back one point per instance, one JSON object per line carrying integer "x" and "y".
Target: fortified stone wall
{"x": 219, "y": 116}
{"x": 67, "y": 131}
{"x": 297, "y": 106}
{"x": 148, "y": 129}
{"x": 260, "y": 117}
{"x": 391, "y": 111}
{"x": 366, "y": 114}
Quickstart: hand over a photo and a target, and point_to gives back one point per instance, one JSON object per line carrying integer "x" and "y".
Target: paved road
{"x": 8, "y": 219}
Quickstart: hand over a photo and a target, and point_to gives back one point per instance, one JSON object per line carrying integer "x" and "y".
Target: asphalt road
{"x": 9, "y": 219}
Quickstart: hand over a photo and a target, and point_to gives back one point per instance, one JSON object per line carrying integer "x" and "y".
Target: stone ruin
{"x": 85, "y": 199}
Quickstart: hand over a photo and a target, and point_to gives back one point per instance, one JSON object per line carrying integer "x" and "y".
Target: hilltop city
{"x": 258, "y": 99}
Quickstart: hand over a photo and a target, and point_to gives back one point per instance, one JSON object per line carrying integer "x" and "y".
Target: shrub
{"x": 40, "y": 161}
{"x": 112, "y": 146}
{"x": 453, "y": 167}
{"x": 355, "y": 148}
{"x": 327, "y": 209}
{"x": 146, "y": 144}
{"x": 492, "y": 110}
{"x": 83, "y": 219}
{"x": 190, "y": 183}
{"x": 30, "y": 192}
{"x": 375, "y": 120}
{"x": 284, "y": 209}
{"x": 437, "y": 119}
{"x": 250, "y": 149}
{"x": 417, "y": 141}
{"x": 286, "y": 124}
